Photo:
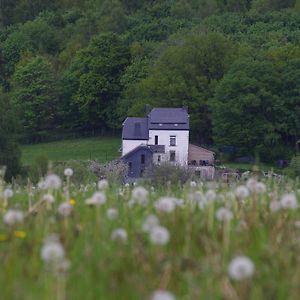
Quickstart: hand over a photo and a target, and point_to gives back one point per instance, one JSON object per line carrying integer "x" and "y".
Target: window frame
{"x": 173, "y": 138}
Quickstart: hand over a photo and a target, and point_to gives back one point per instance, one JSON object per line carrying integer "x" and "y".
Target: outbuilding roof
{"x": 135, "y": 129}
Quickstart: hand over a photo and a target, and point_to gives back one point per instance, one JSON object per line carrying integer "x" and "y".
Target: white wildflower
{"x": 119, "y": 234}
{"x": 159, "y": 235}
{"x": 150, "y": 222}
{"x": 112, "y": 213}
{"x": 103, "y": 184}
{"x": 162, "y": 295}
{"x": 42, "y": 185}
{"x": 241, "y": 268}
{"x": 8, "y": 193}
{"x": 193, "y": 184}
{"x": 260, "y": 188}
{"x": 275, "y": 206}
{"x": 251, "y": 184}
{"x": 224, "y": 214}
{"x": 98, "y": 198}
{"x": 179, "y": 202}
{"x": 68, "y": 172}
{"x": 11, "y": 217}
{"x": 242, "y": 192}
{"x": 140, "y": 195}
{"x": 210, "y": 195}
{"x": 52, "y": 251}
{"x": 165, "y": 204}
{"x": 52, "y": 182}
{"x": 65, "y": 209}
{"x": 48, "y": 198}
{"x": 289, "y": 201}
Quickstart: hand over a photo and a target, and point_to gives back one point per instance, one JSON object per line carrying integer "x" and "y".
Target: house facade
{"x": 163, "y": 131}
{"x": 159, "y": 137}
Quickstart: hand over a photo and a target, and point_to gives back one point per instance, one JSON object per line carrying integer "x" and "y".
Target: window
{"x": 172, "y": 155}
{"x": 158, "y": 158}
{"x": 142, "y": 158}
{"x": 172, "y": 140}
{"x": 156, "y": 140}
{"x": 130, "y": 166}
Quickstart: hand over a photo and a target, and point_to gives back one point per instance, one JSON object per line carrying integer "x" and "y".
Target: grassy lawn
{"x": 101, "y": 148}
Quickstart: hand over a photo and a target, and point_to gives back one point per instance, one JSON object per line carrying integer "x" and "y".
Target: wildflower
{"x": 68, "y": 172}
{"x": 52, "y": 251}
{"x": 140, "y": 195}
{"x": 260, "y": 188}
{"x": 72, "y": 202}
{"x": 3, "y": 237}
{"x": 12, "y": 217}
{"x": 65, "y": 209}
{"x": 112, "y": 213}
{"x": 162, "y": 295}
{"x": 150, "y": 222}
{"x": 98, "y": 198}
{"x": 179, "y": 202}
{"x": 159, "y": 235}
{"x": 42, "y": 185}
{"x": 289, "y": 201}
{"x": 103, "y": 184}
{"x": 53, "y": 182}
{"x": 241, "y": 268}
{"x": 251, "y": 184}
{"x": 48, "y": 198}
{"x": 193, "y": 184}
{"x": 224, "y": 214}
{"x": 8, "y": 193}
{"x": 119, "y": 234}
{"x": 275, "y": 206}
{"x": 242, "y": 192}
{"x": 210, "y": 195}
{"x": 165, "y": 204}
{"x": 20, "y": 234}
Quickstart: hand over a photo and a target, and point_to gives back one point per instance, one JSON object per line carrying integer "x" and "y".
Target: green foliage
{"x": 36, "y": 95}
{"x": 9, "y": 150}
{"x": 294, "y": 168}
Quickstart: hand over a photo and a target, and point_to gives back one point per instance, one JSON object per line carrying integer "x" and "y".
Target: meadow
{"x": 201, "y": 240}
{"x": 102, "y": 149}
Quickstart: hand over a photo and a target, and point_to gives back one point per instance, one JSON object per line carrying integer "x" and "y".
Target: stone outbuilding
{"x": 199, "y": 156}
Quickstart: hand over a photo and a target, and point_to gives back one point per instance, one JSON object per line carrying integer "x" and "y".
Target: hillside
{"x": 84, "y": 65}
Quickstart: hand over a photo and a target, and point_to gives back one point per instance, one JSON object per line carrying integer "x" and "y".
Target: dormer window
{"x": 160, "y": 124}
{"x": 176, "y": 125}
{"x": 172, "y": 140}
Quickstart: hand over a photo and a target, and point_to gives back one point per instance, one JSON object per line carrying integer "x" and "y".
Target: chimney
{"x": 147, "y": 110}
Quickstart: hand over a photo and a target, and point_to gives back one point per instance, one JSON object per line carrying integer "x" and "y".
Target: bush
{"x": 294, "y": 169}
{"x": 113, "y": 171}
{"x": 167, "y": 173}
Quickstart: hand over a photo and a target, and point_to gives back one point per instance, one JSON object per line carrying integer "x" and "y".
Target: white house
{"x": 161, "y": 136}
{"x": 167, "y": 127}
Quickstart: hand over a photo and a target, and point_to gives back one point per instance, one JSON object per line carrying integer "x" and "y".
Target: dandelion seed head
{"x": 159, "y": 235}
{"x": 68, "y": 172}
{"x": 275, "y": 206}
{"x": 48, "y": 198}
{"x": 112, "y": 213}
{"x": 242, "y": 192}
{"x": 103, "y": 184}
{"x": 224, "y": 214}
{"x": 165, "y": 204}
{"x": 162, "y": 295}
{"x": 119, "y": 234}
{"x": 12, "y": 217}
{"x": 241, "y": 268}
{"x": 150, "y": 222}
{"x": 289, "y": 201}
{"x": 140, "y": 195}
{"x": 52, "y": 252}
{"x": 210, "y": 195}
{"x": 8, "y": 193}
{"x": 98, "y": 198}
{"x": 52, "y": 181}
{"x": 65, "y": 209}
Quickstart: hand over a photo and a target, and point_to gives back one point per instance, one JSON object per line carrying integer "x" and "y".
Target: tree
{"x": 97, "y": 70}
{"x": 36, "y": 95}
{"x": 9, "y": 151}
{"x": 186, "y": 75}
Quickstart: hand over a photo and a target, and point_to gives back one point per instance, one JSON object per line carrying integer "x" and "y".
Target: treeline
{"x": 84, "y": 65}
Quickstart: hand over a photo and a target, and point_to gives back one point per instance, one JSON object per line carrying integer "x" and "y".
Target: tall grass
{"x": 193, "y": 264}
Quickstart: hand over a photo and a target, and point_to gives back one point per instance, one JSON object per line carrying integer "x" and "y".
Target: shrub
{"x": 113, "y": 171}
{"x": 294, "y": 169}
{"x": 167, "y": 173}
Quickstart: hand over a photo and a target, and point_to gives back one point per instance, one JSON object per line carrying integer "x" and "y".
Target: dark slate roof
{"x": 136, "y": 149}
{"x": 168, "y": 118}
{"x": 157, "y": 148}
{"x": 135, "y": 129}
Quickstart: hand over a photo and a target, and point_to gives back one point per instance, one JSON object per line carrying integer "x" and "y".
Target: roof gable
{"x": 135, "y": 129}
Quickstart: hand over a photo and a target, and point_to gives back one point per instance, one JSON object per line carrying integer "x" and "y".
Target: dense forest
{"x": 82, "y": 66}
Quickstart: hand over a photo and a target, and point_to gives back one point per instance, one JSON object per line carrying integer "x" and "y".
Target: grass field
{"x": 102, "y": 149}
{"x": 203, "y": 241}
